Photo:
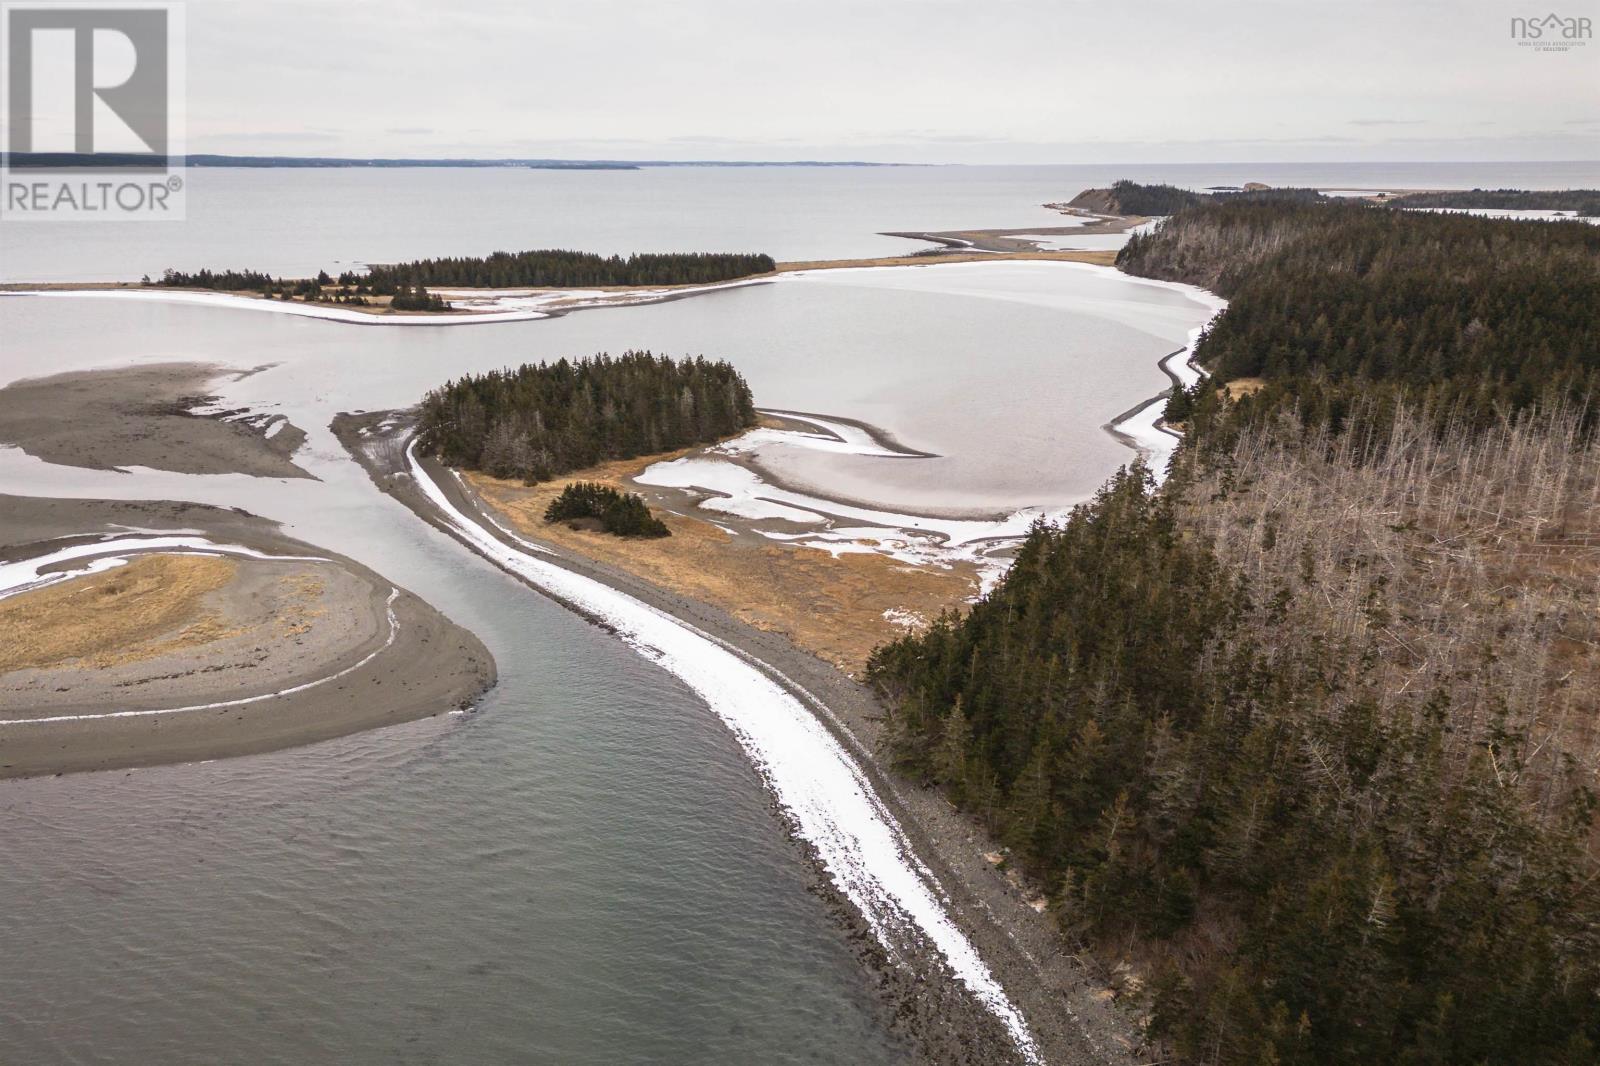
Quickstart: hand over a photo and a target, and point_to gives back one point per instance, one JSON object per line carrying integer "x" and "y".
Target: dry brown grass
{"x": 1243, "y": 387}
{"x": 124, "y": 615}
{"x": 832, "y": 607}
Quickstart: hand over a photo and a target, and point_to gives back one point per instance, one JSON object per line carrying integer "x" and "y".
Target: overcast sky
{"x": 990, "y": 81}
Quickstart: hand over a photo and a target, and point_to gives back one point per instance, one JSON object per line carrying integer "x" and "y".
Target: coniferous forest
{"x": 1131, "y": 198}
{"x": 406, "y": 283}
{"x": 623, "y": 514}
{"x": 1309, "y": 736}
{"x": 1585, "y": 202}
{"x": 564, "y": 269}
{"x": 542, "y": 420}
{"x": 1339, "y": 299}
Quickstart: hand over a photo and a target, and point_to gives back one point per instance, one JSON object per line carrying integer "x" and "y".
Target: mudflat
{"x": 144, "y": 416}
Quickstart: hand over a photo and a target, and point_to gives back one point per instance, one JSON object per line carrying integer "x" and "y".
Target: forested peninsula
{"x": 404, "y": 286}
{"x": 542, "y": 420}
{"x": 1307, "y": 737}
{"x": 1582, "y": 202}
{"x": 1130, "y": 198}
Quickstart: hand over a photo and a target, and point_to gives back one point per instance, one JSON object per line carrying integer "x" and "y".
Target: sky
{"x": 928, "y": 81}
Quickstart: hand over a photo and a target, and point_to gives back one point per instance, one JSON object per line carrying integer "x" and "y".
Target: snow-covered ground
{"x": 1507, "y": 212}
{"x": 1143, "y": 427}
{"x": 919, "y": 540}
{"x": 540, "y": 303}
{"x": 327, "y": 312}
{"x": 93, "y": 557}
{"x": 468, "y": 306}
{"x": 825, "y": 793}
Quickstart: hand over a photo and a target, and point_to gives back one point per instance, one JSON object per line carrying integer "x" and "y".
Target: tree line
{"x": 1329, "y": 302}
{"x": 1585, "y": 202}
{"x": 1131, "y": 198}
{"x": 406, "y": 283}
{"x": 566, "y": 269}
{"x": 1310, "y": 732}
{"x": 541, "y": 420}
{"x": 349, "y": 289}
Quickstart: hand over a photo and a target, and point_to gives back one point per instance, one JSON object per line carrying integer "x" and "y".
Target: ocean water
{"x": 1005, "y": 371}
{"x": 296, "y": 221}
{"x": 587, "y": 870}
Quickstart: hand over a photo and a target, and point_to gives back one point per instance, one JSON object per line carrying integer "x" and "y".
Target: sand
{"x": 176, "y": 657}
{"x": 142, "y": 416}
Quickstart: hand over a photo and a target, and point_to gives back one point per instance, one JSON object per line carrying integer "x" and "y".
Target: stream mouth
{"x": 577, "y": 801}
{"x": 823, "y": 793}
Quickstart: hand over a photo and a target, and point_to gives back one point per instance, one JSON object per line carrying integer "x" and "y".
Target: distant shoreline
{"x": 553, "y": 301}
{"x": 58, "y": 160}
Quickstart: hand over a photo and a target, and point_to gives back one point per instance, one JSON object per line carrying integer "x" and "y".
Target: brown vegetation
{"x": 152, "y": 605}
{"x": 833, "y": 606}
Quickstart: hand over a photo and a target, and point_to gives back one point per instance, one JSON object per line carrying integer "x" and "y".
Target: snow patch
{"x": 326, "y": 312}
{"x": 26, "y": 575}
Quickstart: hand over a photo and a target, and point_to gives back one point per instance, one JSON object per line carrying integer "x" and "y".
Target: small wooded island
{"x": 542, "y": 420}
{"x": 404, "y": 286}
{"x": 545, "y": 419}
{"x": 1131, "y": 198}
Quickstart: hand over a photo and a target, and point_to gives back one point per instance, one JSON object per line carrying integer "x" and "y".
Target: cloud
{"x": 924, "y": 79}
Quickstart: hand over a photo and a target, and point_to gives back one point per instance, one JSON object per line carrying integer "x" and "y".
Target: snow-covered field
{"x": 919, "y": 540}
{"x": 540, "y": 303}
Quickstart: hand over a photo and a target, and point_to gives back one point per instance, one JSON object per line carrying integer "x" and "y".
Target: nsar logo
{"x": 1552, "y": 32}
